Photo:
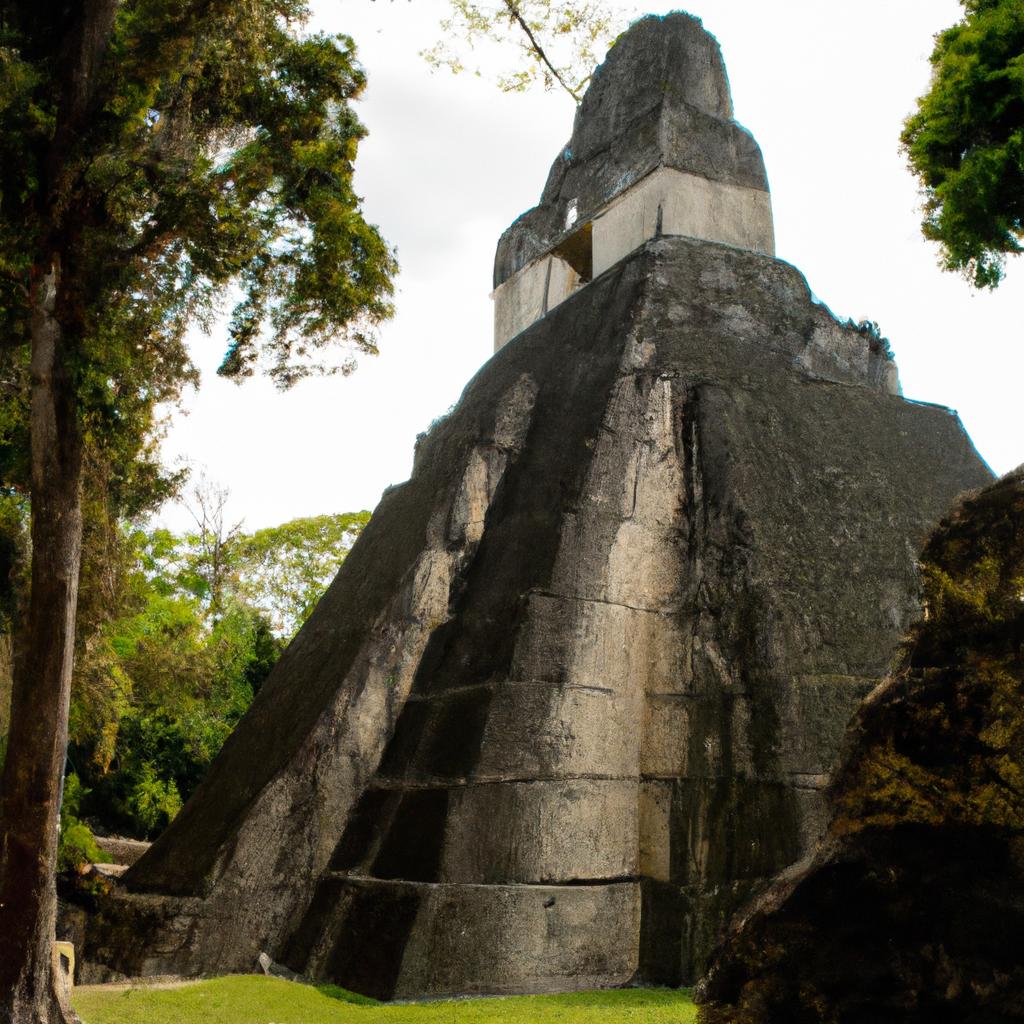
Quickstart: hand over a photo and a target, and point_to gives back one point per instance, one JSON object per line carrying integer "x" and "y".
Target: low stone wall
{"x": 120, "y": 850}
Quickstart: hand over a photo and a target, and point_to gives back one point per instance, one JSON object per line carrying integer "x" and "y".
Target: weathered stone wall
{"x": 669, "y": 202}
{"x": 660, "y": 99}
{"x": 574, "y": 692}
{"x": 654, "y": 151}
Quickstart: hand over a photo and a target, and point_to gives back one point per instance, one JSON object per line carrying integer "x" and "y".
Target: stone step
{"x": 396, "y": 939}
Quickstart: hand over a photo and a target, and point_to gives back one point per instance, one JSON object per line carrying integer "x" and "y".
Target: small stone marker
{"x": 64, "y": 962}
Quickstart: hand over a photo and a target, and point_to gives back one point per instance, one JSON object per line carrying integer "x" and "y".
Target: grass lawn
{"x": 245, "y": 999}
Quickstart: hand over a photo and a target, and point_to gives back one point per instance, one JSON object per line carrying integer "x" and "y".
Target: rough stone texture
{"x": 536, "y": 289}
{"x": 912, "y": 908}
{"x": 121, "y": 851}
{"x": 668, "y": 202}
{"x": 409, "y": 938}
{"x": 572, "y": 696}
{"x": 660, "y": 99}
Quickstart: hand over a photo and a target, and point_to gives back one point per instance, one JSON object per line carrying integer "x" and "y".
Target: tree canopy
{"x": 217, "y": 149}
{"x": 966, "y": 141}
{"x": 218, "y": 146}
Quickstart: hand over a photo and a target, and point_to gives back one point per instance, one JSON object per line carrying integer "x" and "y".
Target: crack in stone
{"x": 392, "y": 783}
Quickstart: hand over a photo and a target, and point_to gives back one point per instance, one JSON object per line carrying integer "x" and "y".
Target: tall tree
{"x": 966, "y": 141}
{"x": 214, "y": 538}
{"x": 151, "y": 153}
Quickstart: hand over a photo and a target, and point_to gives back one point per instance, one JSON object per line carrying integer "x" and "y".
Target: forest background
{"x": 176, "y": 634}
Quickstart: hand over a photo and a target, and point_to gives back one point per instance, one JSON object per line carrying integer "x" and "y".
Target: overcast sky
{"x": 450, "y": 162}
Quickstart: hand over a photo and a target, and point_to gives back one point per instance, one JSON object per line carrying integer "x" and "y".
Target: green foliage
{"x": 966, "y": 141}
{"x": 13, "y": 547}
{"x": 156, "y": 692}
{"x": 283, "y": 570}
{"x": 77, "y": 846}
{"x": 216, "y": 159}
{"x": 220, "y": 149}
{"x": 559, "y": 41}
{"x": 154, "y": 801}
{"x": 243, "y": 999}
{"x": 165, "y": 673}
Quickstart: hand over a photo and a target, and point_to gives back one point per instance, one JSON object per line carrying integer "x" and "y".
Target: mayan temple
{"x": 576, "y": 690}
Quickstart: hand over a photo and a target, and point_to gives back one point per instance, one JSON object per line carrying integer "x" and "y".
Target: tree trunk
{"x": 31, "y": 785}
{"x": 30, "y": 991}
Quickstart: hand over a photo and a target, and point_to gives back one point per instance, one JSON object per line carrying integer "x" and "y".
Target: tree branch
{"x": 513, "y": 10}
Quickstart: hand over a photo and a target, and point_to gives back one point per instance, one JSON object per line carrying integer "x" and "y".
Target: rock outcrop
{"x": 575, "y": 691}
{"x": 912, "y": 909}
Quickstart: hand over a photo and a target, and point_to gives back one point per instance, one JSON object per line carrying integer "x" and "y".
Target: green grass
{"x": 243, "y": 999}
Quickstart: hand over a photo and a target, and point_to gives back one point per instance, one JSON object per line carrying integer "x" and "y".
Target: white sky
{"x": 450, "y": 162}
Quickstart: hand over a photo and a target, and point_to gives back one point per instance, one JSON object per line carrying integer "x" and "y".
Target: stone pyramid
{"x": 574, "y": 694}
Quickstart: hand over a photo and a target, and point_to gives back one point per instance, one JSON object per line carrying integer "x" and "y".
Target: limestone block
{"x": 513, "y": 730}
{"x": 541, "y": 730}
{"x": 562, "y": 282}
{"x": 597, "y": 644}
{"x": 437, "y": 740}
{"x": 496, "y": 832}
{"x": 479, "y": 481}
{"x": 529, "y": 294}
{"x": 681, "y": 924}
{"x": 143, "y": 934}
{"x": 671, "y": 202}
{"x": 543, "y": 831}
{"x": 472, "y": 939}
{"x": 121, "y": 851}
{"x": 655, "y": 821}
{"x": 438, "y": 940}
{"x": 834, "y": 350}
{"x": 520, "y": 301}
{"x": 514, "y": 414}
{"x": 730, "y": 829}
{"x": 620, "y": 647}
{"x": 822, "y": 704}
{"x": 666, "y": 736}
